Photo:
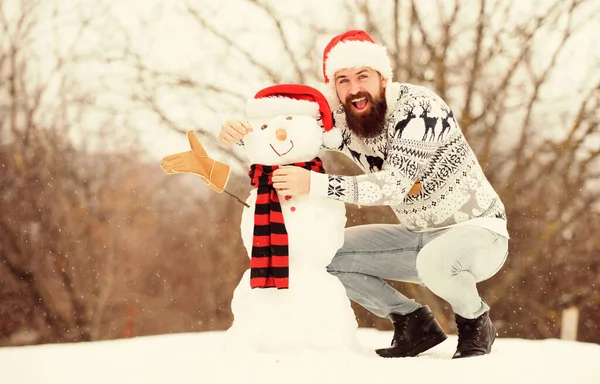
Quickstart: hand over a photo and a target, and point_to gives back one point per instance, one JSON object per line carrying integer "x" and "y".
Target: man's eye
{"x": 264, "y": 126}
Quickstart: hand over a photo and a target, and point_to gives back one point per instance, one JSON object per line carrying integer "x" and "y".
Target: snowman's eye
{"x": 289, "y": 118}
{"x": 264, "y": 126}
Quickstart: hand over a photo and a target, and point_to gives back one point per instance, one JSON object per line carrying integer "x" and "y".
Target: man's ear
{"x": 383, "y": 81}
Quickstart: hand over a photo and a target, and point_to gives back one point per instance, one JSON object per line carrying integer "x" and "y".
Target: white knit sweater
{"x": 421, "y": 139}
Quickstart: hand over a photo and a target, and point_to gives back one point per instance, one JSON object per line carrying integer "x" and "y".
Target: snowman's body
{"x": 314, "y": 313}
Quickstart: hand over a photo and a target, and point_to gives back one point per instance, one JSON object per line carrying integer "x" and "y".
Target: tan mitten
{"x": 196, "y": 161}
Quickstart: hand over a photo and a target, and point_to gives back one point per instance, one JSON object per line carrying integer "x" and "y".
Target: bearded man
{"x": 452, "y": 232}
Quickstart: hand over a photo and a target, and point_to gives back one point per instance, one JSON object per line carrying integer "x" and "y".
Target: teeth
{"x": 357, "y": 100}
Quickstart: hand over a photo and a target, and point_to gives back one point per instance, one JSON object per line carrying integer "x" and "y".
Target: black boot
{"x": 414, "y": 333}
{"x": 475, "y": 336}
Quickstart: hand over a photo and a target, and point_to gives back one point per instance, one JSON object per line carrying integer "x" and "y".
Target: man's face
{"x": 351, "y": 82}
{"x": 361, "y": 91}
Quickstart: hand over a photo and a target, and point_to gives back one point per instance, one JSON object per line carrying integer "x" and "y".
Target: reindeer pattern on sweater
{"x": 421, "y": 139}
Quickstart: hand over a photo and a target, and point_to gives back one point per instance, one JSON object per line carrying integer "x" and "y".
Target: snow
{"x": 199, "y": 358}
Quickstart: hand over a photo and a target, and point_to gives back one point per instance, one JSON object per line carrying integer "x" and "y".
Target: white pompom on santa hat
{"x": 352, "y": 49}
{"x": 295, "y": 99}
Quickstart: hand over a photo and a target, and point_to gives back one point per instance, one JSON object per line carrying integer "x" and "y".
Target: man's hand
{"x": 233, "y": 130}
{"x": 291, "y": 181}
{"x": 196, "y": 161}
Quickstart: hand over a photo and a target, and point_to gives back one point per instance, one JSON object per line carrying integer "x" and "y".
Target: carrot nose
{"x": 281, "y": 134}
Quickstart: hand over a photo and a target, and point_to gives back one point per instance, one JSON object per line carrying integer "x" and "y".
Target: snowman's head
{"x": 290, "y": 122}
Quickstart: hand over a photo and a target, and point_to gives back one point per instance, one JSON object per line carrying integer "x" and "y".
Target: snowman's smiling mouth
{"x": 284, "y": 153}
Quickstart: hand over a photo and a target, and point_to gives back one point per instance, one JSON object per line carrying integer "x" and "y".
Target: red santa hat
{"x": 352, "y": 49}
{"x": 295, "y": 99}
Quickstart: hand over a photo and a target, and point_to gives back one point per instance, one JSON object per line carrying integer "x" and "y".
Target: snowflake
{"x": 336, "y": 190}
{"x": 335, "y": 186}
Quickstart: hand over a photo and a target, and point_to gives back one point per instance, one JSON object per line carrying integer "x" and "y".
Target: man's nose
{"x": 354, "y": 89}
{"x": 281, "y": 134}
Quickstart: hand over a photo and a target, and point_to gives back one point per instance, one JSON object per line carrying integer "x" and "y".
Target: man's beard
{"x": 370, "y": 124}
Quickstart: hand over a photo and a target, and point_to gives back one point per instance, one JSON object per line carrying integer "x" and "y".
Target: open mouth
{"x": 284, "y": 153}
{"x": 360, "y": 103}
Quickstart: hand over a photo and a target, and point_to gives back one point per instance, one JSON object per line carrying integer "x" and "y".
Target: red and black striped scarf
{"x": 269, "y": 262}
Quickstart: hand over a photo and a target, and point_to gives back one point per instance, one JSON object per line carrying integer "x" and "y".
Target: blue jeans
{"x": 448, "y": 261}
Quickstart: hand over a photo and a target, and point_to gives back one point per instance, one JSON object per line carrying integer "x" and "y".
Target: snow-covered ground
{"x": 197, "y": 358}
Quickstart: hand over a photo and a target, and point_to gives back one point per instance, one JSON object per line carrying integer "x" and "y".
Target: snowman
{"x": 287, "y": 301}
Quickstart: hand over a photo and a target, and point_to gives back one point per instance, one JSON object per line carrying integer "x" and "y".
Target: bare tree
{"x": 48, "y": 254}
